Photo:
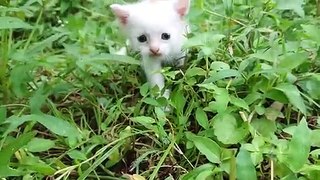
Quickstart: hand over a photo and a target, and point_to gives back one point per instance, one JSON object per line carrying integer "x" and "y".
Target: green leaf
{"x": 144, "y": 89}
{"x": 77, "y": 155}
{"x": 7, "y": 152}
{"x": 35, "y": 164}
{"x": 239, "y": 102}
{"x": 19, "y": 77}
{"x": 179, "y": 101}
{"x": 195, "y": 172}
{"x": 228, "y": 7}
{"x": 225, "y": 73}
{"x": 206, "y": 146}
{"x": 315, "y": 140}
{"x": 39, "y": 145}
{"x": 232, "y": 132}
{"x": 292, "y": 61}
{"x": 221, "y": 100}
{"x": 147, "y": 122}
{"x": 299, "y": 147}
{"x": 204, "y": 175}
{"x": 219, "y": 65}
{"x": 312, "y": 31}
{"x": 195, "y": 71}
{"x": 202, "y": 39}
{"x": 311, "y": 86}
{"x": 293, "y": 94}
{"x": 54, "y": 124}
{"x": 13, "y": 23}
{"x": 245, "y": 166}
{"x": 202, "y": 118}
{"x": 295, "y": 5}
{"x": 265, "y": 127}
{"x": 38, "y": 99}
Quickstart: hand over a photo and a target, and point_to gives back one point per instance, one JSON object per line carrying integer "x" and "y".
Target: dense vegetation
{"x": 245, "y": 106}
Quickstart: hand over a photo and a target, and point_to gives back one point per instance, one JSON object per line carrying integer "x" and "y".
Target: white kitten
{"x": 155, "y": 28}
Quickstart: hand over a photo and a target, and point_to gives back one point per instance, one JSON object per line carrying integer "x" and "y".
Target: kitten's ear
{"x": 182, "y": 7}
{"x": 121, "y": 12}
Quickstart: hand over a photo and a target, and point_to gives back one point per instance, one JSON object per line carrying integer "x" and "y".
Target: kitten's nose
{"x": 154, "y": 51}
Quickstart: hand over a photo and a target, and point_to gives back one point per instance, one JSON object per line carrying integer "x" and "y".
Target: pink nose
{"x": 154, "y": 50}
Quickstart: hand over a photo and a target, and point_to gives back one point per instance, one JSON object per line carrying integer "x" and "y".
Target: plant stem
{"x": 3, "y": 66}
{"x": 318, "y": 7}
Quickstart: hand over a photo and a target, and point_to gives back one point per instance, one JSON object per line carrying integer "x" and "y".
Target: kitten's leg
{"x": 152, "y": 69}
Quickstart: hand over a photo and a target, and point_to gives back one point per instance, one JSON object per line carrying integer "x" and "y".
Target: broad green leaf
{"x": 19, "y": 77}
{"x": 13, "y": 23}
{"x": 292, "y": 61}
{"x": 147, "y": 122}
{"x": 219, "y": 65}
{"x": 144, "y": 120}
{"x": 207, "y": 147}
{"x": 195, "y": 172}
{"x": 295, "y": 5}
{"x": 221, "y": 100}
{"x": 54, "y": 124}
{"x": 232, "y": 132}
{"x": 151, "y": 101}
{"x": 312, "y": 31}
{"x": 39, "y": 145}
{"x": 202, "y": 118}
{"x": 37, "y": 100}
{"x": 299, "y": 147}
{"x": 195, "y": 71}
{"x": 77, "y": 155}
{"x": 315, "y": 138}
{"x": 203, "y": 39}
{"x": 36, "y": 164}
{"x": 204, "y": 175}
{"x": 293, "y": 94}
{"x": 225, "y": 73}
{"x": 144, "y": 89}
{"x": 311, "y": 86}
{"x": 7, "y": 152}
{"x": 245, "y": 167}
{"x": 265, "y": 127}
{"x": 239, "y": 102}
{"x": 179, "y": 101}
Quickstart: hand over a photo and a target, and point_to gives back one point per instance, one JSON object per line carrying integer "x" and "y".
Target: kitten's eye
{"x": 142, "y": 38}
{"x": 165, "y": 36}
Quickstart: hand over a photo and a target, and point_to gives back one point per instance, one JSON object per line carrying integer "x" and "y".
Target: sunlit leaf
{"x": 295, "y": 5}
{"x": 294, "y": 96}
{"x": 299, "y": 147}
{"x": 202, "y": 118}
{"x": 207, "y": 147}
{"x": 232, "y": 132}
{"x": 39, "y": 145}
{"x": 245, "y": 167}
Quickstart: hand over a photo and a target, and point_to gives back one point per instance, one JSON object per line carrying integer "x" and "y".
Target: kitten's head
{"x": 155, "y": 28}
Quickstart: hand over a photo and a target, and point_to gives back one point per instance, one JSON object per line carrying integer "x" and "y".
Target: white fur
{"x": 152, "y": 18}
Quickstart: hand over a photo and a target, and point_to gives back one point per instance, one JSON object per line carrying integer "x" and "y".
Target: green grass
{"x": 246, "y": 106}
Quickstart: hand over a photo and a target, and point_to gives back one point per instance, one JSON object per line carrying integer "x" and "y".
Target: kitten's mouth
{"x": 155, "y": 55}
